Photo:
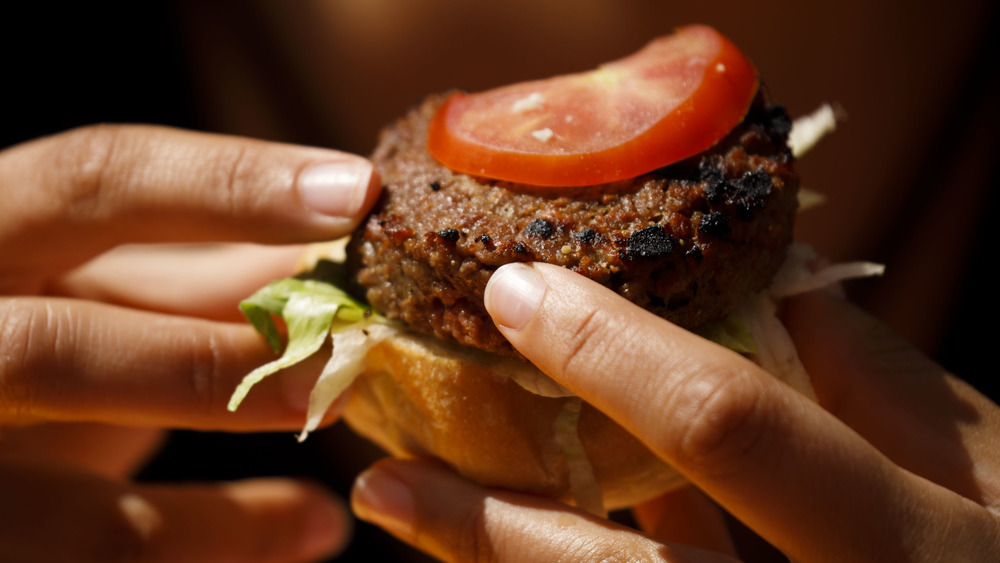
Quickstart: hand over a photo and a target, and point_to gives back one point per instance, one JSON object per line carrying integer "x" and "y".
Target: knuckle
{"x": 474, "y": 540}
{"x": 499, "y": 531}
{"x": 580, "y": 547}
{"x": 244, "y": 179}
{"x": 205, "y": 371}
{"x": 88, "y": 158}
{"x": 20, "y": 338}
{"x": 586, "y": 341}
{"x": 237, "y": 165}
{"x": 720, "y": 421}
{"x": 620, "y": 549}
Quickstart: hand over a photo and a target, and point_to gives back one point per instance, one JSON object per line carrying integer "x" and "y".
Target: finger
{"x": 51, "y": 513}
{"x": 454, "y": 520}
{"x": 877, "y": 383}
{"x": 67, "y": 360}
{"x": 764, "y": 452}
{"x": 688, "y": 517}
{"x": 206, "y": 281}
{"x": 116, "y": 452}
{"x": 71, "y": 196}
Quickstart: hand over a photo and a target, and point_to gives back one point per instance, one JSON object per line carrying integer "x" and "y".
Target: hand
{"x": 897, "y": 462}
{"x": 100, "y": 348}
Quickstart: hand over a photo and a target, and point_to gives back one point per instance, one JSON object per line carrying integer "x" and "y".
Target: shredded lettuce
{"x": 312, "y": 310}
{"x": 730, "y": 331}
{"x": 347, "y": 361}
{"x": 797, "y": 275}
{"x": 809, "y": 129}
{"x": 587, "y": 494}
{"x": 774, "y": 350}
{"x": 527, "y": 376}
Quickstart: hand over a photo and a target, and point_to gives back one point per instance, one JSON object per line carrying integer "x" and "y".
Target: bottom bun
{"x": 422, "y": 398}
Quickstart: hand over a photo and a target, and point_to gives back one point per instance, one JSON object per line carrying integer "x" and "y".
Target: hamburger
{"x": 667, "y": 176}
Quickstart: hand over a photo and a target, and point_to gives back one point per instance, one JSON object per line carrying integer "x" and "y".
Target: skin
{"x": 101, "y": 349}
{"x": 898, "y": 461}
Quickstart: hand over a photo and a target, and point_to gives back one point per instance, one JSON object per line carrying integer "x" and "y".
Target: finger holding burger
{"x": 820, "y": 488}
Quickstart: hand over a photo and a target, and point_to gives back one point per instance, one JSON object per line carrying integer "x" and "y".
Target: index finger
{"x": 71, "y": 196}
{"x": 779, "y": 462}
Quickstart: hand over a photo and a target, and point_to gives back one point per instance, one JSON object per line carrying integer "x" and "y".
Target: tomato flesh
{"x": 672, "y": 99}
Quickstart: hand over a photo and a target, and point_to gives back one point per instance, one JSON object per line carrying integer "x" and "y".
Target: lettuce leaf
{"x": 311, "y": 310}
{"x": 774, "y": 349}
{"x": 731, "y": 332}
{"x": 351, "y": 344}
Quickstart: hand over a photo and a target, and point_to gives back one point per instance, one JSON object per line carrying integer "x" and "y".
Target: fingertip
{"x": 424, "y": 505}
{"x": 513, "y": 295}
{"x": 301, "y": 519}
{"x": 328, "y": 525}
{"x": 379, "y": 496}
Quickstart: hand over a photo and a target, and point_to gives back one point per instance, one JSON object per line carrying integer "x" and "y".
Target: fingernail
{"x": 381, "y": 498}
{"x": 336, "y": 188}
{"x": 513, "y": 294}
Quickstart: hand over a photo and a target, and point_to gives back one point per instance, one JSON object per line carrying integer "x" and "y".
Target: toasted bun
{"x": 422, "y": 398}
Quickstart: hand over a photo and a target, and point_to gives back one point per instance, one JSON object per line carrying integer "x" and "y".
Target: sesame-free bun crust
{"x": 422, "y": 398}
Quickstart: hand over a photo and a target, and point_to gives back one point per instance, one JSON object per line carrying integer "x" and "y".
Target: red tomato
{"x": 672, "y": 99}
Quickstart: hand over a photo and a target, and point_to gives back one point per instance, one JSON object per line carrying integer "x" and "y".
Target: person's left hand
{"x": 103, "y": 345}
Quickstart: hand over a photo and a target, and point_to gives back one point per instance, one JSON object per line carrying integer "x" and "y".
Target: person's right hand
{"x": 899, "y": 461}
{"x": 101, "y": 350}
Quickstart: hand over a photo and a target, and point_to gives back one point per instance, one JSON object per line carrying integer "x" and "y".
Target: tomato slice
{"x": 670, "y": 100}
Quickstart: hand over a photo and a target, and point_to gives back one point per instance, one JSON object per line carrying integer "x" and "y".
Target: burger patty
{"x": 688, "y": 241}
